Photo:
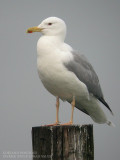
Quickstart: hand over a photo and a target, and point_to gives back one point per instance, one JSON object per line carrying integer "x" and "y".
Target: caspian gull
{"x": 66, "y": 74}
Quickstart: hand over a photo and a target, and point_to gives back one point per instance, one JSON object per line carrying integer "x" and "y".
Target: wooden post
{"x": 63, "y": 142}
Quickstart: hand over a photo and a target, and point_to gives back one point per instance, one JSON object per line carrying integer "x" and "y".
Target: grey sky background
{"x": 94, "y": 30}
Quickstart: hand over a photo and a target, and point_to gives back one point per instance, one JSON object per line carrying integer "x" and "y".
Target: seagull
{"x": 66, "y": 74}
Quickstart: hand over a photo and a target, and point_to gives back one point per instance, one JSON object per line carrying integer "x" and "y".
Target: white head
{"x": 51, "y": 26}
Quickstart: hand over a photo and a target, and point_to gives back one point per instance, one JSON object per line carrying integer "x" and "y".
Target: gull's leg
{"x": 73, "y": 105}
{"x": 57, "y": 110}
{"x": 71, "y": 120}
{"x": 57, "y": 113}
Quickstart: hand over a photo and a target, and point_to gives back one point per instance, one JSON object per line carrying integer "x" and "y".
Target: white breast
{"x": 54, "y": 76}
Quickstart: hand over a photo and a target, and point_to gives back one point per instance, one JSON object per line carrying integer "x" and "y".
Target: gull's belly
{"x": 61, "y": 82}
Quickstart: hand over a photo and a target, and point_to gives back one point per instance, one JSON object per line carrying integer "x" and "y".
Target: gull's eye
{"x": 49, "y": 24}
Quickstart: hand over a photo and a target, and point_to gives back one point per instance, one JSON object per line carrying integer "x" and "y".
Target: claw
{"x": 53, "y": 124}
{"x": 67, "y": 124}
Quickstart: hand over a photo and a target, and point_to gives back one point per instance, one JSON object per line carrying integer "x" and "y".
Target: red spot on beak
{"x": 29, "y": 31}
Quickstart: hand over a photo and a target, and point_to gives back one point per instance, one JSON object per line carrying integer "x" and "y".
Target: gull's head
{"x": 51, "y": 26}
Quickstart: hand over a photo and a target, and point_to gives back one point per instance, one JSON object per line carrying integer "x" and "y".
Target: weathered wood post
{"x": 63, "y": 142}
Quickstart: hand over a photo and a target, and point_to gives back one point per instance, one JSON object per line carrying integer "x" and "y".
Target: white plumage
{"x": 65, "y": 76}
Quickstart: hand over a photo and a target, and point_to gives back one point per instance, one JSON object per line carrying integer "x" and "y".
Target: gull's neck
{"x": 52, "y": 40}
{"x": 47, "y": 44}
{"x": 55, "y": 38}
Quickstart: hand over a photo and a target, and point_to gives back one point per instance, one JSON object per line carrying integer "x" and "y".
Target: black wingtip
{"x": 105, "y": 103}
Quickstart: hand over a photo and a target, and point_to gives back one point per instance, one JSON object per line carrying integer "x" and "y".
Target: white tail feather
{"x": 110, "y": 124}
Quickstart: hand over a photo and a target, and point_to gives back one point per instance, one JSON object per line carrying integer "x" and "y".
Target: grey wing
{"x": 85, "y": 73}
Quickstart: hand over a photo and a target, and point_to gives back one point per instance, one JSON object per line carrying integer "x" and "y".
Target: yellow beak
{"x": 34, "y": 29}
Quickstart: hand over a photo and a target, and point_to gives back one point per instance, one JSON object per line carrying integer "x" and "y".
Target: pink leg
{"x": 57, "y": 114}
{"x": 71, "y": 120}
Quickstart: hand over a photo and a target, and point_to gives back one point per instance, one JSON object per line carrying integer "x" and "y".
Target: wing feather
{"x": 85, "y": 73}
